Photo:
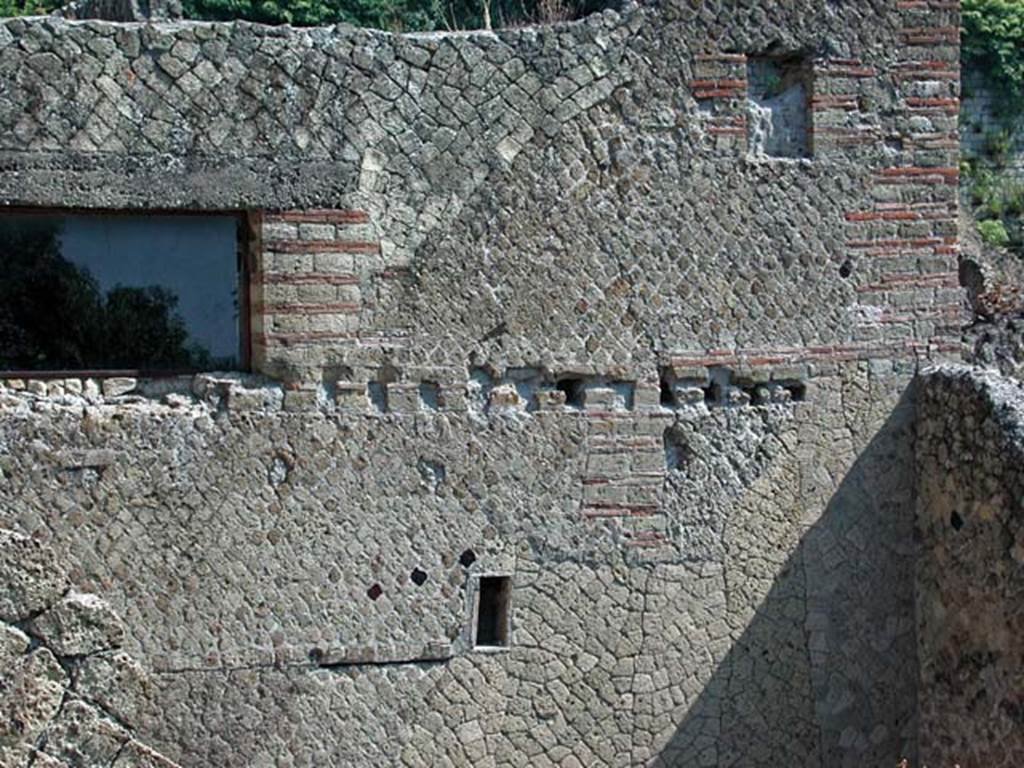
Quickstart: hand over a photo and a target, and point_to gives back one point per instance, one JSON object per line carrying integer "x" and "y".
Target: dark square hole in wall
{"x": 573, "y": 389}
{"x": 494, "y": 601}
{"x": 145, "y": 292}
{"x": 797, "y": 390}
{"x": 779, "y": 97}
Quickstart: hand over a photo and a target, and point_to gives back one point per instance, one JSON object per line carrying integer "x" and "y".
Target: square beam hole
{"x": 493, "y": 605}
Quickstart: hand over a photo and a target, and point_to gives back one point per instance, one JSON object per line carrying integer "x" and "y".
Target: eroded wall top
{"x": 600, "y": 192}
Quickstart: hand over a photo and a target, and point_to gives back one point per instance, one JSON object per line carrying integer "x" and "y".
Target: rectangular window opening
{"x": 127, "y": 292}
{"x": 780, "y": 90}
{"x": 494, "y": 601}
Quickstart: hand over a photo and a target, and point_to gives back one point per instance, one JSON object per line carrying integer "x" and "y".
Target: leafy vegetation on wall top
{"x": 396, "y": 15}
{"x": 28, "y": 7}
{"x": 992, "y": 46}
{"x": 391, "y": 15}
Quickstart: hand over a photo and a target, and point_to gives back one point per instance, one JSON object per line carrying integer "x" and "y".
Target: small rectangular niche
{"x": 493, "y": 606}
{"x": 779, "y": 98}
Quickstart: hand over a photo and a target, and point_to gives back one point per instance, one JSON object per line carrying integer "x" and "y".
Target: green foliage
{"x": 998, "y": 145}
{"x": 994, "y": 193}
{"x": 393, "y": 15}
{"x": 994, "y": 232}
{"x": 28, "y": 7}
{"x": 993, "y": 41}
{"x": 384, "y": 14}
{"x": 997, "y": 198}
{"x": 390, "y": 15}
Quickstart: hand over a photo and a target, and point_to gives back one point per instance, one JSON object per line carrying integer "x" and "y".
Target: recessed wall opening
{"x": 573, "y": 389}
{"x": 430, "y": 395}
{"x": 493, "y": 605}
{"x": 779, "y": 97}
{"x": 378, "y": 394}
{"x": 713, "y": 394}
{"x": 797, "y": 390}
{"x": 140, "y": 292}
{"x": 666, "y": 397}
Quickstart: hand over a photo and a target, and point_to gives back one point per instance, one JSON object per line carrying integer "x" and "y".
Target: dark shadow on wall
{"x": 824, "y": 671}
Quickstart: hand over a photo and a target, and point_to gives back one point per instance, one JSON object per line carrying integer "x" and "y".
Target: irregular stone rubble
{"x": 68, "y": 696}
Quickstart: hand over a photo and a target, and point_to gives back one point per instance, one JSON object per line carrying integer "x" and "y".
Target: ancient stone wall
{"x": 68, "y": 695}
{"x": 970, "y": 454}
{"x": 981, "y": 124}
{"x": 533, "y": 304}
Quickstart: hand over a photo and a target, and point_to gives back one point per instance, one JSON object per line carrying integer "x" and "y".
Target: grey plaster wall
{"x": 970, "y": 574}
{"x": 709, "y": 530}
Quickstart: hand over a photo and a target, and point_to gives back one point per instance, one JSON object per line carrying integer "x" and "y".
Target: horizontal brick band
{"x": 826, "y": 353}
{"x": 300, "y": 337}
{"x": 318, "y": 216}
{"x": 321, "y": 246}
{"x": 917, "y": 175}
{"x": 919, "y": 308}
{"x": 928, "y": 70}
{"x": 928, "y": 75}
{"x": 846, "y": 70}
{"x": 929, "y": 142}
{"x": 647, "y": 540}
{"x": 620, "y": 510}
{"x": 627, "y": 479}
{"x": 305, "y": 278}
{"x": 909, "y": 243}
{"x": 930, "y": 35}
{"x": 921, "y": 171}
{"x": 867, "y": 135}
{"x": 732, "y": 58}
{"x": 336, "y": 308}
{"x": 723, "y": 84}
{"x": 716, "y": 93}
{"x": 948, "y": 312}
{"x": 834, "y": 102}
{"x": 898, "y": 282}
{"x": 901, "y": 214}
{"x": 739, "y": 121}
{"x": 627, "y": 445}
{"x": 948, "y": 106}
{"x": 934, "y": 5}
